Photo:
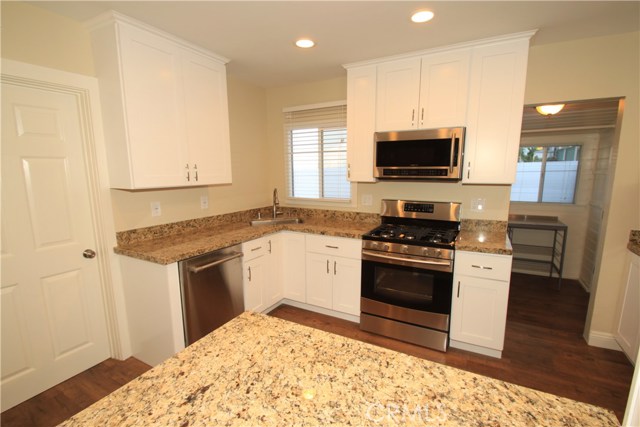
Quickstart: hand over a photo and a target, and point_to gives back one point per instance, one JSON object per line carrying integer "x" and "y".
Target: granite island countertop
{"x": 262, "y": 371}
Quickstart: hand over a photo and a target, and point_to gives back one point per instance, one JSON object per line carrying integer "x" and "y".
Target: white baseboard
{"x": 475, "y": 349}
{"x": 603, "y": 340}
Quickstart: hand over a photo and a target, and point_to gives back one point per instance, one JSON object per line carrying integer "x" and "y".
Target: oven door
{"x": 409, "y": 290}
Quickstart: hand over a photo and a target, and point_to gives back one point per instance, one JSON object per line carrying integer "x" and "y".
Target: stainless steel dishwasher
{"x": 211, "y": 288}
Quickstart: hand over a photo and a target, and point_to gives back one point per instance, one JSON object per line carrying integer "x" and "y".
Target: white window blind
{"x": 316, "y": 153}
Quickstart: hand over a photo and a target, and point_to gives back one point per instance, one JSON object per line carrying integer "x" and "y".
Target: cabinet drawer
{"x": 488, "y": 266}
{"x": 255, "y": 248}
{"x": 337, "y": 246}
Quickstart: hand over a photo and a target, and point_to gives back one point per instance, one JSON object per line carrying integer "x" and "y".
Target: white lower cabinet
{"x": 479, "y": 303}
{"x": 628, "y": 329}
{"x": 262, "y": 286}
{"x": 333, "y": 266}
{"x": 292, "y": 265}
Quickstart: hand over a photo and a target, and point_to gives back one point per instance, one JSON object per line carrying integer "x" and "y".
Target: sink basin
{"x": 276, "y": 221}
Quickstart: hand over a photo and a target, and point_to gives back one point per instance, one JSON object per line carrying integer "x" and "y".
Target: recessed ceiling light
{"x": 305, "y": 43}
{"x": 422, "y": 16}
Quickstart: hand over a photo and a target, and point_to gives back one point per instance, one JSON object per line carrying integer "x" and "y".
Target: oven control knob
{"x": 438, "y": 252}
{"x": 425, "y": 251}
{"x": 374, "y": 244}
{"x": 405, "y": 249}
{"x": 385, "y": 247}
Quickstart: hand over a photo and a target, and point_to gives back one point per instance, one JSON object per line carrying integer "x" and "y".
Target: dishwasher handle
{"x": 199, "y": 268}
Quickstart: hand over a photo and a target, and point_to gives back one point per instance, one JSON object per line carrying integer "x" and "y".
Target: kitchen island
{"x": 262, "y": 371}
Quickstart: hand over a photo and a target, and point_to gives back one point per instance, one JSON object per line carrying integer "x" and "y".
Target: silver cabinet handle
{"x": 256, "y": 248}
{"x": 335, "y": 271}
{"x": 89, "y": 253}
{"x": 481, "y": 267}
{"x": 458, "y": 289}
{"x": 188, "y": 174}
{"x": 422, "y": 117}
{"x": 249, "y": 273}
{"x": 327, "y": 266}
{"x": 195, "y": 168}
{"x": 413, "y": 117}
{"x": 331, "y": 247}
{"x": 199, "y": 268}
{"x": 269, "y": 246}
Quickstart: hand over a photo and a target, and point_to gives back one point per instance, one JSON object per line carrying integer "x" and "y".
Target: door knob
{"x": 89, "y": 253}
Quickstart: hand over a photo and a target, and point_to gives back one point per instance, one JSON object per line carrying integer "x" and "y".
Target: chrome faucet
{"x": 276, "y": 203}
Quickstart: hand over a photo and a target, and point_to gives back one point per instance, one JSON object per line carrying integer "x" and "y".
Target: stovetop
{"x": 438, "y": 236}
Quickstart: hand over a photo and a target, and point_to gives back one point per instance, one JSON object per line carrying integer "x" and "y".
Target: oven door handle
{"x": 395, "y": 258}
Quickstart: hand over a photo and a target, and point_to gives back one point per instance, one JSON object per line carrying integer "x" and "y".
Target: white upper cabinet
{"x": 424, "y": 92}
{"x": 361, "y": 122}
{"x": 494, "y": 115}
{"x": 444, "y": 89}
{"x": 398, "y": 95}
{"x": 165, "y": 103}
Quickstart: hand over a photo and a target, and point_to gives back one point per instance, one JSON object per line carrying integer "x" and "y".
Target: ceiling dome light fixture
{"x": 547, "y": 110}
{"x": 305, "y": 43}
{"x": 422, "y": 16}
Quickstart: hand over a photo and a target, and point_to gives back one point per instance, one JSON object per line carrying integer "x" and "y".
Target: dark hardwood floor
{"x": 544, "y": 350}
{"x": 58, "y": 403}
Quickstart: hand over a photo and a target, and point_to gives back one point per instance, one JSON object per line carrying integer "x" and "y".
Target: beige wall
{"x": 600, "y": 68}
{"x": 37, "y": 36}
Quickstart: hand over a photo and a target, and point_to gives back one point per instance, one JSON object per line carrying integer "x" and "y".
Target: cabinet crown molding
{"x": 112, "y": 17}
{"x": 526, "y": 35}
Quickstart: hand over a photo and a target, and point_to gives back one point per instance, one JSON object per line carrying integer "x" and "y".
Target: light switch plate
{"x": 156, "y": 210}
{"x": 367, "y": 200}
{"x": 478, "y": 205}
{"x": 204, "y": 202}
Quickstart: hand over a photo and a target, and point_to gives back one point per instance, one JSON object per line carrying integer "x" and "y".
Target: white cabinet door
{"x": 319, "y": 280}
{"x": 398, "y": 91}
{"x": 479, "y": 311}
{"x": 206, "y": 120}
{"x": 361, "y": 122}
{"x": 165, "y": 101}
{"x": 628, "y": 330}
{"x": 346, "y": 285}
{"x": 255, "y": 274}
{"x": 150, "y": 70}
{"x": 444, "y": 87}
{"x": 273, "y": 290}
{"x": 293, "y": 266}
{"x": 494, "y": 115}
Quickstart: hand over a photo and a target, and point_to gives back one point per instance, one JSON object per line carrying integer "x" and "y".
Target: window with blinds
{"x": 316, "y": 151}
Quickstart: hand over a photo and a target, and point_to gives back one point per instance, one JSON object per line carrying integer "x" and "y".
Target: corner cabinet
{"x": 494, "y": 116}
{"x": 165, "y": 101}
{"x": 479, "y": 302}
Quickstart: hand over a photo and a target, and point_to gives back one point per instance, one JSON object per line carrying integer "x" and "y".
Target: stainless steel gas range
{"x": 407, "y": 272}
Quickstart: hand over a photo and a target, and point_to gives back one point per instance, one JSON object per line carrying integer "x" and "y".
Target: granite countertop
{"x": 173, "y": 248}
{"x": 174, "y": 242}
{"x": 634, "y": 242}
{"x": 262, "y": 371}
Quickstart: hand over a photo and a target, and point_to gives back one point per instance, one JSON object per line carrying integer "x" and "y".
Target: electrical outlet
{"x": 367, "y": 200}
{"x": 478, "y": 205}
{"x": 155, "y": 209}
{"x": 204, "y": 202}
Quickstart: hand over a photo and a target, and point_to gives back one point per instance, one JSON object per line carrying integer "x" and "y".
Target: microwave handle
{"x": 453, "y": 146}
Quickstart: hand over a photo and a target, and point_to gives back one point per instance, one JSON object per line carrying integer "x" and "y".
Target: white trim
{"x": 632, "y": 413}
{"x": 316, "y": 309}
{"x": 476, "y": 349}
{"x": 85, "y": 89}
{"x": 314, "y": 106}
{"x": 465, "y": 45}
{"x": 603, "y": 340}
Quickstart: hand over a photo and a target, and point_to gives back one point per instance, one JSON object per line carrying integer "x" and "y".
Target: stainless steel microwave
{"x": 433, "y": 154}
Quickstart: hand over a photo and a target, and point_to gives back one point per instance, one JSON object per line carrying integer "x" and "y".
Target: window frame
{"x": 543, "y": 170}
{"x": 288, "y": 154}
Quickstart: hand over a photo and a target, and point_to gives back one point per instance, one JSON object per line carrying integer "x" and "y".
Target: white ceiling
{"x": 258, "y": 36}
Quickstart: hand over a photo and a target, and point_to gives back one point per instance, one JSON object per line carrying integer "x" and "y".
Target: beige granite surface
{"x": 634, "y": 242}
{"x": 484, "y": 236}
{"x": 168, "y": 243}
{"x": 262, "y": 371}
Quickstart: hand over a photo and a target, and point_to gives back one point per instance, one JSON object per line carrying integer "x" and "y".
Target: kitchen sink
{"x": 276, "y": 221}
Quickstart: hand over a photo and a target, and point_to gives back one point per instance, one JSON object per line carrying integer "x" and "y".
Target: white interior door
{"x": 53, "y": 321}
